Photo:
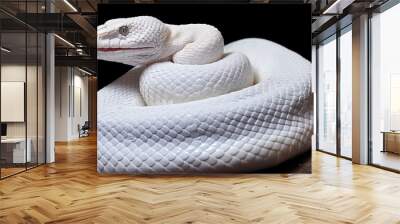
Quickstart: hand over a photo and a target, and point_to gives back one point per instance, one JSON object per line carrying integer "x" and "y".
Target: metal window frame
{"x": 339, "y": 32}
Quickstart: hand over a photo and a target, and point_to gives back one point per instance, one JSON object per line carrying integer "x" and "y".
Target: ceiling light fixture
{"x": 70, "y": 5}
{"x": 64, "y": 40}
{"x": 84, "y": 71}
{"x": 79, "y": 51}
{"x": 5, "y": 50}
{"x": 337, "y": 7}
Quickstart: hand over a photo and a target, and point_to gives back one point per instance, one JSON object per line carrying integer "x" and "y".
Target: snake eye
{"x": 124, "y": 30}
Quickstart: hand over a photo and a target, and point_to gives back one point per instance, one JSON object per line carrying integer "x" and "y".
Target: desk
{"x": 15, "y": 148}
{"x": 391, "y": 141}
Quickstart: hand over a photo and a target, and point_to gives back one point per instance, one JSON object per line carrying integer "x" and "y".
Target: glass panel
{"x": 385, "y": 84}
{"x": 327, "y": 96}
{"x": 13, "y": 88}
{"x": 31, "y": 88}
{"x": 346, "y": 94}
{"x": 31, "y": 100}
{"x": 22, "y": 89}
{"x": 41, "y": 98}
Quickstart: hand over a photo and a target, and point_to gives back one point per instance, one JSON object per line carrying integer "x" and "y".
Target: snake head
{"x": 132, "y": 41}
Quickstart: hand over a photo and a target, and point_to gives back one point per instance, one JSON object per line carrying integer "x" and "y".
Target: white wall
{"x": 71, "y": 102}
{"x": 14, "y": 72}
{"x": 12, "y": 101}
{"x": 80, "y": 109}
{"x": 33, "y": 126}
{"x": 61, "y": 103}
{"x": 17, "y": 72}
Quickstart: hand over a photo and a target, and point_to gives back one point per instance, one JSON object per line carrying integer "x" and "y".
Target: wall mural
{"x": 208, "y": 92}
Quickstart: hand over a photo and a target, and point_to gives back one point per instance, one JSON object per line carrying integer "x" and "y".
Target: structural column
{"x": 360, "y": 89}
{"x": 50, "y": 92}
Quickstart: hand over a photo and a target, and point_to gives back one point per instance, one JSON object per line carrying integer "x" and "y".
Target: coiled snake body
{"x": 249, "y": 129}
{"x": 184, "y": 62}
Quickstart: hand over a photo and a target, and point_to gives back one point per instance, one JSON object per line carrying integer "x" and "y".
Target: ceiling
{"x": 75, "y": 28}
{"x": 75, "y": 21}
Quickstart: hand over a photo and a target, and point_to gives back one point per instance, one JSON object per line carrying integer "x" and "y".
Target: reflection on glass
{"x": 41, "y": 99}
{"x": 32, "y": 84}
{"x": 327, "y": 96}
{"x": 31, "y": 100}
{"x": 385, "y": 83}
{"x": 346, "y": 94}
{"x": 22, "y": 108}
{"x": 15, "y": 151}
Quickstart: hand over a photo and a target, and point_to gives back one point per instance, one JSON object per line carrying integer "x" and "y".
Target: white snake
{"x": 250, "y": 129}
{"x": 184, "y": 62}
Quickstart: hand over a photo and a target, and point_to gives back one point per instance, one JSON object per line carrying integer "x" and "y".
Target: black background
{"x": 288, "y": 25}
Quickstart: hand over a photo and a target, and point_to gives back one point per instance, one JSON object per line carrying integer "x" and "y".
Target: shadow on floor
{"x": 298, "y": 164}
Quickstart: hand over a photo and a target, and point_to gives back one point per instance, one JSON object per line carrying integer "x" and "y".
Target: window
{"x": 327, "y": 96}
{"x": 385, "y": 88}
{"x": 334, "y": 106}
{"x": 346, "y": 93}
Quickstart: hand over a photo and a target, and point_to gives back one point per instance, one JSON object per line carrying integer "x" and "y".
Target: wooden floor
{"x": 10, "y": 171}
{"x": 387, "y": 159}
{"x": 71, "y": 191}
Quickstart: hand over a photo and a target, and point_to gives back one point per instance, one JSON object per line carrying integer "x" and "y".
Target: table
{"x": 391, "y": 141}
{"x": 15, "y": 148}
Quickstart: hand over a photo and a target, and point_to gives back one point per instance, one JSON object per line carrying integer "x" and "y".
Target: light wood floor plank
{"x": 71, "y": 191}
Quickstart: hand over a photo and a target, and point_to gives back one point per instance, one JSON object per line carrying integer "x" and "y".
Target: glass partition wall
{"x": 334, "y": 83}
{"x": 385, "y": 89}
{"x": 22, "y": 77}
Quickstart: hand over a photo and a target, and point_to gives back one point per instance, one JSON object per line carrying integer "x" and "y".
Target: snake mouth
{"x": 124, "y": 49}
